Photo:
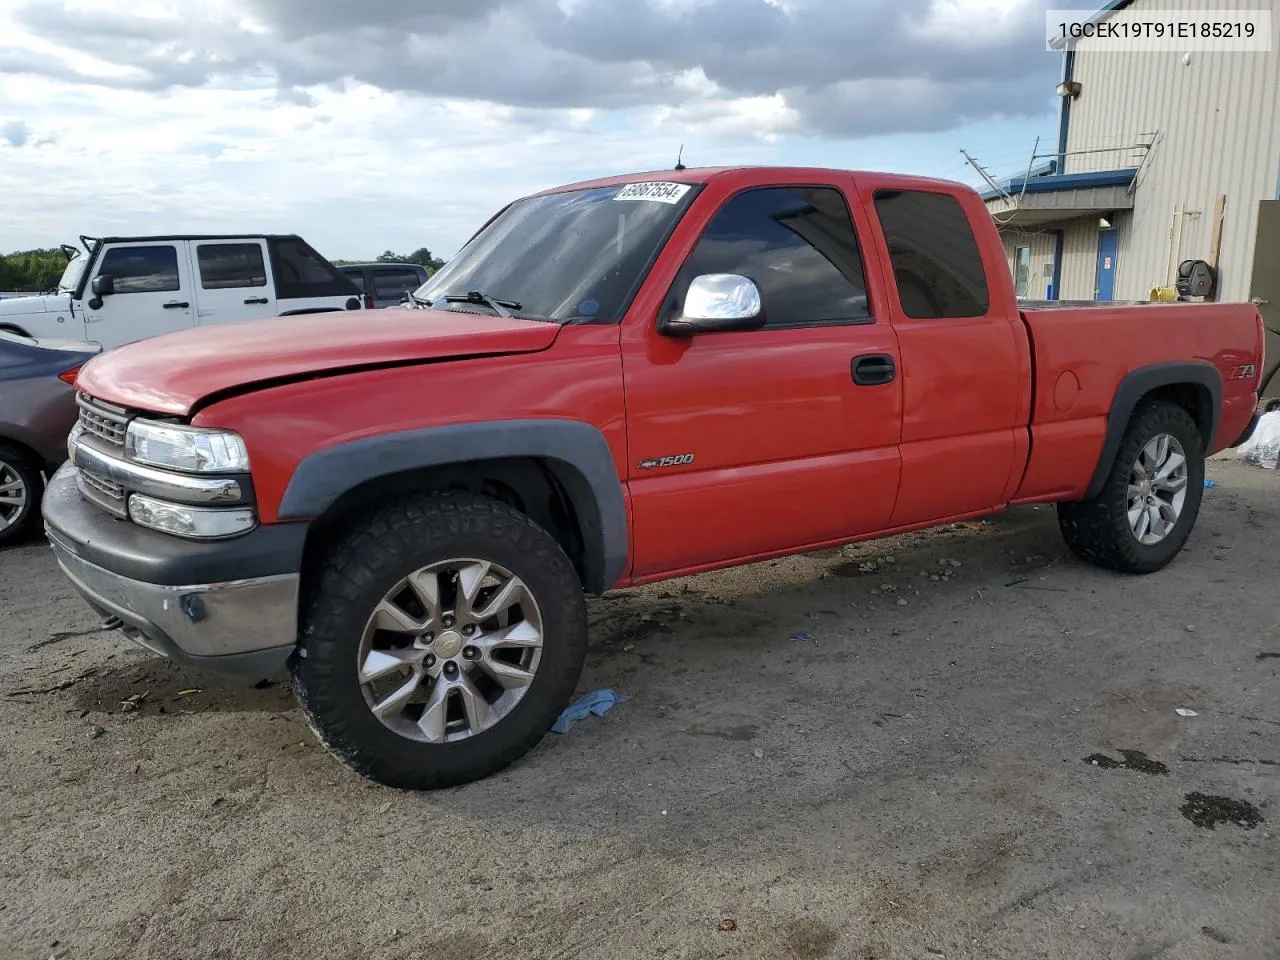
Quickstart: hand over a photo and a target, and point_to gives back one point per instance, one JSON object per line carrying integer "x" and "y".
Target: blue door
{"x": 1104, "y": 285}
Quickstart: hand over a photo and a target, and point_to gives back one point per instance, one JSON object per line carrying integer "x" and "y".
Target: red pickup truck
{"x": 614, "y": 382}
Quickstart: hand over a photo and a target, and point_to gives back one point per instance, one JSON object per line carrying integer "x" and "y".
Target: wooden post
{"x": 1215, "y": 241}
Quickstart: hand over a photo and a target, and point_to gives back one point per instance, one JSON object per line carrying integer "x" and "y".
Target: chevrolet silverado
{"x": 613, "y": 383}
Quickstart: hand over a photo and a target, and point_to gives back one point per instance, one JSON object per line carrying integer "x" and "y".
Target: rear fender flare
{"x": 578, "y": 453}
{"x": 1136, "y": 385}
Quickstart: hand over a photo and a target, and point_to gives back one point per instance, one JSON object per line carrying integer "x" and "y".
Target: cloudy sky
{"x": 373, "y": 124}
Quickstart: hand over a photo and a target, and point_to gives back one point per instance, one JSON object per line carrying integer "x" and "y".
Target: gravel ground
{"x": 908, "y": 780}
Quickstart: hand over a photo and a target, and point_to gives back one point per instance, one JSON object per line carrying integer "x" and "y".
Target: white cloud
{"x": 398, "y": 123}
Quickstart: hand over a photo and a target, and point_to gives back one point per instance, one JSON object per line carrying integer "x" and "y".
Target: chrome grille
{"x": 103, "y": 421}
{"x": 105, "y": 493}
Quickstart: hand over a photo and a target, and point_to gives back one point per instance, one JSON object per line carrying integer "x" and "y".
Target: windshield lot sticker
{"x": 661, "y": 191}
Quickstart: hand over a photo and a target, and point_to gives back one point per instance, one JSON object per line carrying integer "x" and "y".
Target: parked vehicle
{"x": 37, "y": 412}
{"x": 385, "y": 284}
{"x": 614, "y": 383}
{"x": 120, "y": 289}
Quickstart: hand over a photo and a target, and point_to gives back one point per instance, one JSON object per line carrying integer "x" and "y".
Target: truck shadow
{"x": 788, "y": 595}
{"x": 726, "y": 613}
{"x": 756, "y": 605}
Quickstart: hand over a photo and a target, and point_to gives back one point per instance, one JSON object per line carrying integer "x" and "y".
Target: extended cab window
{"x": 142, "y": 269}
{"x": 300, "y": 272}
{"x": 797, "y": 244}
{"x": 227, "y": 265}
{"x": 936, "y": 263}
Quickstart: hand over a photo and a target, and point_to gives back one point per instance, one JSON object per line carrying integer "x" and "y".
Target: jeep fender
{"x": 1200, "y": 374}
{"x": 578, "y": 453}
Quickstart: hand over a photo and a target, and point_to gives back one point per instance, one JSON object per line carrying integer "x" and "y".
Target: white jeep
{"x": 119, "y": 289}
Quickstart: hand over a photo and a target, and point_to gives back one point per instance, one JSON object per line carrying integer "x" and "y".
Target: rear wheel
{"x": 442, "y": 639}
{"x": 1148, "y": 506}
{"x": 21, "y": 485}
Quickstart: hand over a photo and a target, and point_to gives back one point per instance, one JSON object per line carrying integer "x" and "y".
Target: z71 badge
{"x": 677, "y": 461}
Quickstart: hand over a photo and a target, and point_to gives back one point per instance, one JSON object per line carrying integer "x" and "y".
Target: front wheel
{"x": 1145, "y": 511}
{"x": 442, "y": 639}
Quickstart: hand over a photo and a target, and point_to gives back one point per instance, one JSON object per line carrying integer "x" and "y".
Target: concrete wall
{"x": 1218, "y": 121}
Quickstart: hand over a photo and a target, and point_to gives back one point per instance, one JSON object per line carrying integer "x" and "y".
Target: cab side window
{"x": 936, "y": 263}
{"x": 226, "y": 266}
{"x": 142, "y": 269}
{"x": 799, "y": 247}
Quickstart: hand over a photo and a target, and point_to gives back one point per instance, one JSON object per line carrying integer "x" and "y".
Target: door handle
{"x": 873, "y": 369}
{"x": 175, "y": 305}
{"x": 256, "y": 300}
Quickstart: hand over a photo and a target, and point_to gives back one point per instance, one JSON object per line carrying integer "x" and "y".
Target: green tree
{"x": 422, "y": 256}
{"x": 32, "y": 271}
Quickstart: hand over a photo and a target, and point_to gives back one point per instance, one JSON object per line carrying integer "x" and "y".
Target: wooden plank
{"x": 1215, "y": 242}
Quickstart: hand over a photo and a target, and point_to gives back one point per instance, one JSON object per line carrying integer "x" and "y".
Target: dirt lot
{"x": 908, "y": 782}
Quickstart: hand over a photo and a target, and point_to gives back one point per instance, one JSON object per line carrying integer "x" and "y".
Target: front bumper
{"x": 230, "y": 605}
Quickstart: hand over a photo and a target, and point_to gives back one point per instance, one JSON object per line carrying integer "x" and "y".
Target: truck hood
{"x": 22, "y": 306}
{"x": 172, "y": 373}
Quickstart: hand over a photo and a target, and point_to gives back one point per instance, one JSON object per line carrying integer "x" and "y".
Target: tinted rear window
{"x": 301, "y": 272}
{"x": 936, "y": 263}
{"x": 228, "y": 265}
{"x": 392, "y": 284}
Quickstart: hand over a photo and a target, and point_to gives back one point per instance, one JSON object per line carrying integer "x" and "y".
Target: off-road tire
{"x": 380, "y": 548}
{"x": 28, "y": 471}
{"x": 1098, "y": 531}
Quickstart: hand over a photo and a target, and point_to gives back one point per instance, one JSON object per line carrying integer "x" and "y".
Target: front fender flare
{"x": 1137, "y": 384}
{"x": 579, "y": 453}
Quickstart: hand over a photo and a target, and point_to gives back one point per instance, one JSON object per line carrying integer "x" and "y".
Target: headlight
{"x": 185, "y": 448}
{"x": 184, "y": 521}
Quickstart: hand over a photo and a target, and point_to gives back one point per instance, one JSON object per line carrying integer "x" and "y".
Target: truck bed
{"x": 1081, "y": 353}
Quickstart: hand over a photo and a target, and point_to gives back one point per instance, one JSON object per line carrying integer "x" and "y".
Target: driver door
{"x": 744, "y": 444}
{"x": 153, "y": 292}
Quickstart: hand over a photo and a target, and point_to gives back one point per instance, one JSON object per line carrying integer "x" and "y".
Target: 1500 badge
{"x": 679, "y": 460}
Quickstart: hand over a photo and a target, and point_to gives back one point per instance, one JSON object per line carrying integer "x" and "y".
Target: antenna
{"x": 679, "y": 156}
{"x": 973, "y": 162}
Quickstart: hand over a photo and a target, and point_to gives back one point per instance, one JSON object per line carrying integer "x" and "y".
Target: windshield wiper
{"x": 475, "y": 296}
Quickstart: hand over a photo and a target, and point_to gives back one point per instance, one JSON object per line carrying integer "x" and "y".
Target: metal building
{"x": 1161, "y": 157}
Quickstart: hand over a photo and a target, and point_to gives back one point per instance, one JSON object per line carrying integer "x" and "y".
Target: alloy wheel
{"x": 1157, "y": 489}
{"x": 13, "y": 495}
{"x": 450, "y": 650}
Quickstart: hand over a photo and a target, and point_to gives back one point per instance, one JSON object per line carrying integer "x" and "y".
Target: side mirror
{"x": 103, "y": 285}
{"x": 717, "y": 303}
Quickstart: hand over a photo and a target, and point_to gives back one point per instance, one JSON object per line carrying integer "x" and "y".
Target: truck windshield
{"x": 71, "y": 275}
{"x": 567, "y": 257}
